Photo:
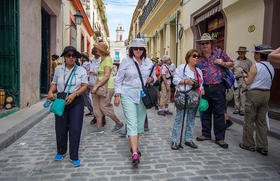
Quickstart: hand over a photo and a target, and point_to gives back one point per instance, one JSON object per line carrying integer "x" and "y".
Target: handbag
{"x": 58, "y": 104}
{"x": 150, "y": 97}
{"x": 187, "y": 99}
{"x": 228, "y": 77}
{"x": 102, "y": 90}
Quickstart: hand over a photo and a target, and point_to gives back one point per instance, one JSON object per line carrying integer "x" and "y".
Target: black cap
{"x": 70, "y": 48}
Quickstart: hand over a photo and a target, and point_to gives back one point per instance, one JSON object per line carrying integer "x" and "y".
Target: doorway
{"x": 45, "y": 61}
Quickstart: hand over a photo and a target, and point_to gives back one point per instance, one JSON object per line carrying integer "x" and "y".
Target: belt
{"x": 257, "y": 89}
{"x": 263, "y": 90}
{"x": 211, "y": 85}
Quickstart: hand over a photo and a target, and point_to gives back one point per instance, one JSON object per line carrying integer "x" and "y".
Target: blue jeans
{"x": 176, "y": 132}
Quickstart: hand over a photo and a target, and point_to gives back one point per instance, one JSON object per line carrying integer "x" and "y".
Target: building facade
{"x": 171, "y": 27}
{"x": 118, "y": 47}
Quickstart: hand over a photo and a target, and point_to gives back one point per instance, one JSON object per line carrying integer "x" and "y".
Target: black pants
{"x": 216, "y": 100}
{"x": 71, "y": 121}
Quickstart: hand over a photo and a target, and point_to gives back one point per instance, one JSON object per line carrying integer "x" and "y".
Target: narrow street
{"x": 106, "y": 156}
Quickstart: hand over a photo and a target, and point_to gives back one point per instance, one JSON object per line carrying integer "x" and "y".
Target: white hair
{"x": 165, "y": 58}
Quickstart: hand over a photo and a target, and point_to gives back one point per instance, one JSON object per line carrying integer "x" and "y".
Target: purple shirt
{"x": 212, "y": 73}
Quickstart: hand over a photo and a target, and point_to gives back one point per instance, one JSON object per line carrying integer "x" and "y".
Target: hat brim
{"x": 142, "y": 46}
{"x": 263, "y": 51}
{"x": 78, "y": 55}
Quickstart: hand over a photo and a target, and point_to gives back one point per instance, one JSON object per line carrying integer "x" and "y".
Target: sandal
{"x": 249, "y": 148}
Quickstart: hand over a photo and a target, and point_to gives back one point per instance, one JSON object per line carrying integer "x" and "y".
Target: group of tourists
{"x": 201, "y": 73}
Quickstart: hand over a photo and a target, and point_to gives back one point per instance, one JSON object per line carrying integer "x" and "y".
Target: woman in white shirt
{"x": 72, "y": 119}
{"x": 128, "y": 91}
{"x": 258, "y": 81}
{"x": 184, "y": 78}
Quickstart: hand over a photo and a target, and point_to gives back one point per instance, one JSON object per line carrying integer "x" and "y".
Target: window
{"x": 82, "y": 43}
{"x": 93, "y": 19}
{"x": 120, "y": 37}
{"x": 73, "y": 32}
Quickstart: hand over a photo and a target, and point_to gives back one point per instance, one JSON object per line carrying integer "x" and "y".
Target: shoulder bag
{"x": 58, "y": 104}
{"x": 171, "y": 77}
{"x": 150, "y": 97}
{"x": 228, "y": 77}
{"x": 187, "y": 99}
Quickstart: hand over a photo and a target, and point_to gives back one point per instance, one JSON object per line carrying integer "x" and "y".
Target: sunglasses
{"x": 205, "y": 43}
{"x": 196, "y": 56}
{"x": 68, "y": 55}
{"x": 138, "y": 48}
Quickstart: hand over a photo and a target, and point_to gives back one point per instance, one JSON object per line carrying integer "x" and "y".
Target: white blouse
{"x": 61, "y": 75}
{"x": 189, "y": 74}
{"x": 127, "y": 80}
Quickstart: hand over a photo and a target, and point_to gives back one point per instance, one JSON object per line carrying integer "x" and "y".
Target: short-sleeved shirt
{"x": 240, "y": 65}
{"x": 166, "y": 71}
{"x": 107, "y": 62}
{"x": 86, "y": 65}
{"x": 62, "y": 74}
{"x": 212, "y": 73}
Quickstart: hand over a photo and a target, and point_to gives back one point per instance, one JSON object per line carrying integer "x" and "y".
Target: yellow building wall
{"x": 239, "y": 17}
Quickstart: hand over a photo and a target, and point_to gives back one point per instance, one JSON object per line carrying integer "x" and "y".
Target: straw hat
{"x": 137, "y": 42}
{"x": 242, "y": 49}
{"x": 206, "y": 37}
{"x": 102, "y": 47}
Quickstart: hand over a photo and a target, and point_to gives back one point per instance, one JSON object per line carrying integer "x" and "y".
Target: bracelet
{"x": 116, "y": 95}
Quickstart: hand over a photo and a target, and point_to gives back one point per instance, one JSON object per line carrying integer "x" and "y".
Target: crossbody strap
{"x": 73, "y": 73}
{"x": 168, "y": 71}
{"x": 268, "y": 70}
{"x": 68, "y": 79}
{"x": 196, "y": 72}
{"x": 139, "y": 74}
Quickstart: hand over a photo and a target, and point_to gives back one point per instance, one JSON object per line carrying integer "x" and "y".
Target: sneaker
{"x": 161, "y": 113}
{"x": 229, "y": 123}
{"x": 174, "y": 146}
{"x": 168, "y": 113}
{"x": 138, "y": 151}
{"x": 76, "y": 163}
{"x": 58, "y": 157}
{"x": 117, "y": 128}
{"x": 95, "y": 131}
{"x": 135, "y": 160}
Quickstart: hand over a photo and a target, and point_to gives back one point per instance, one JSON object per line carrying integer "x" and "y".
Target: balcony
{"x": 146, "y": 11}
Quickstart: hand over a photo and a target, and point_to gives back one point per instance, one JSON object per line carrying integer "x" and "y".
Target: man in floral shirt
{"x": 212, "y": 63}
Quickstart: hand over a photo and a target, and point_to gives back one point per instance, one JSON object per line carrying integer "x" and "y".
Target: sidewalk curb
{"x": 19, "y": 130}
{"x": 271, "y": 133}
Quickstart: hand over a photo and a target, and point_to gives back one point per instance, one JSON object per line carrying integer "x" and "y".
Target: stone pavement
{"x": 106, "y": 156}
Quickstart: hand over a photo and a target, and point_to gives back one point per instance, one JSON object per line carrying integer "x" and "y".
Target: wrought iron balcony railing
{"x": 146, "y": 11}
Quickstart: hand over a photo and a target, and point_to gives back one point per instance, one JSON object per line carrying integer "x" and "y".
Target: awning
{"x": 207, "y": 14}
{"x": 172, "y": 17}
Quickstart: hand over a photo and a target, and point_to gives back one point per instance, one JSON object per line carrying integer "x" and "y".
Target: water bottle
{"x": 143, "y": 94}
{"x": 47, "y": 103}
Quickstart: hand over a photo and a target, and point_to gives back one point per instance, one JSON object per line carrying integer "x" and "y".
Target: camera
{"x": 196, "y": 84}
{"x": 61, "y": 95}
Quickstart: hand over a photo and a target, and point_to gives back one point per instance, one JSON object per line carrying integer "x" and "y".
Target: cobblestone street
{"x": 106, "y": 156}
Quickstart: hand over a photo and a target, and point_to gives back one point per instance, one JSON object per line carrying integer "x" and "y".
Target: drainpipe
{"x": 176, "y": 50}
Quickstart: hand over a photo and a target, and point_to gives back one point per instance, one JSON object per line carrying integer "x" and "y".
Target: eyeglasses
{"x": 196, "y": 56}
{"x": 205, "y": 43}
{"x": 138, "y": 48}
{"x": 68, "y": 55}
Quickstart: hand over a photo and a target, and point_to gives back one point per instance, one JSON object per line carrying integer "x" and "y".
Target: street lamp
{"x": 78, "y": 18}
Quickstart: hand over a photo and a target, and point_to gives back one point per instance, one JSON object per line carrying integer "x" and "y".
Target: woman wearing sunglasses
{"x": 72, "y": 119}
{"x": 185, "y": 78}
{"x": 128, "y": 91}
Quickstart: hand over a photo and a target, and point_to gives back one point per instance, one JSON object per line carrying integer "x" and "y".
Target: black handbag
{"x": 187, "y": 99}
{"x": 150, "y": 97}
